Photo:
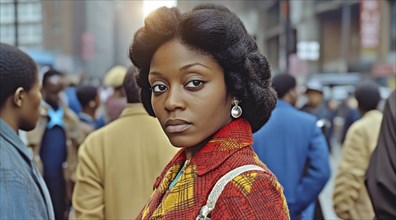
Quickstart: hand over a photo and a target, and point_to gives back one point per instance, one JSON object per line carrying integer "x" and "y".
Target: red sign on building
{"x": 88, "y": 46}
{"x": 370, "y": 18}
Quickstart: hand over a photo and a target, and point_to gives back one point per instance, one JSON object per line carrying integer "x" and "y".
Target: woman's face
{"x": 189, "y": 94}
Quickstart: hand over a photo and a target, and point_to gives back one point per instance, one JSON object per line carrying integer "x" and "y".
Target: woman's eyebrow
{"x": 155, "y": 73}
{"x": 192, "y": 64}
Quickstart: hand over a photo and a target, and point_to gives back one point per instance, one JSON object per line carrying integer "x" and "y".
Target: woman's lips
{"x": 177, "y": 128}
{"x": 176, "y": 125}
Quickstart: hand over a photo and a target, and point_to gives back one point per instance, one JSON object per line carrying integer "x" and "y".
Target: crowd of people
{"x": 197, "y": 128}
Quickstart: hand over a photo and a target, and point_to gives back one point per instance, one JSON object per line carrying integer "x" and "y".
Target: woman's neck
{"x": 191, "y": 151}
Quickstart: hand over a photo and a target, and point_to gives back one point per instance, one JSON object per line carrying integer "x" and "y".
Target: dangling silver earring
{"x": 236, "y": 110}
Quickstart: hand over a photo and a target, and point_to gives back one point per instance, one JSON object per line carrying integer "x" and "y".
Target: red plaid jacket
{"x": 251, "y": 195}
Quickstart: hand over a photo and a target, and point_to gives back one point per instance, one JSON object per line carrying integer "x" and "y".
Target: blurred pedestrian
{"x": 350, "y": 114}
{"x": 198, "y": 71}
{"x": 295, "y": 149}
{"x": 71, "y": 82}
{"x": 116, "y": 102}
{"x": 381, "y": 173}
{"x": 350, "y": 198}
{"x": 88, "y": 98}
{"x": 23, "y": 193}
{"x": 119, "y": 163}
{"x": 54, "y": 142}
{"x": 317, "y": 106}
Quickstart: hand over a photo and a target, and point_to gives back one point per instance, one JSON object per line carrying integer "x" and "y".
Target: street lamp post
{"x": 16, "y": 22}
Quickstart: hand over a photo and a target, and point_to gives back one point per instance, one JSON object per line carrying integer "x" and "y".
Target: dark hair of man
{"x": 17, "y": 69}
{"x": 130, "y": 86}
{"x": 367, "y": 95}
{"x": 283, "y": 83}
{"x": 85, "y": 94}
{"x": 215, "y": 31}
{"x": 49, "y": 73}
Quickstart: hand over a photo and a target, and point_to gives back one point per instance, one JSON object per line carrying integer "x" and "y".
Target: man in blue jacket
{"x": 294, "y": 149}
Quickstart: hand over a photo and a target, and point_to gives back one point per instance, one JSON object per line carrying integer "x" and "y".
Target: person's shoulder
{"x": 260, "y": 189}
{"x": 10, "y": 158}
{"x": 6, "y": 154}
{"x": 368, "y": 120}
{"x": 244, "y": 157}
{"x": 7, "y": 150}
{"x": 357, "y": 126}
{"x": 70, "y": 115}
{"x": 302, "y": 117}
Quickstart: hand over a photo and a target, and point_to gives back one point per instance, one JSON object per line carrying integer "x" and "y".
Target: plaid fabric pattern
{"x": 251, "y": 195}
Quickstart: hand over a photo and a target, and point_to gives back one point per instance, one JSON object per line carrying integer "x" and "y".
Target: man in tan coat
{"x": 350, "y": 196}
{"x": 118, "y": 164}
{"x": 54, "y": 142}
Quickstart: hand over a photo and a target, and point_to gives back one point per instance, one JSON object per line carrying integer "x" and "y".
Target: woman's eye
{"x": 194, "y": 84}
{"x": 159, "y": 88}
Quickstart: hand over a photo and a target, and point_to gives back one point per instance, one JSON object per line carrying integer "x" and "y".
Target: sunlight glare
{"x": 151, "y": 5}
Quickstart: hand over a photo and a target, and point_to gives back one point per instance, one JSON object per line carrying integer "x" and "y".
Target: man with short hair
{"x": 23, "y": 193}
{"x": 350, "y": 198}
{"x": 54, "y": 142}
{"x": 294, "y": 149}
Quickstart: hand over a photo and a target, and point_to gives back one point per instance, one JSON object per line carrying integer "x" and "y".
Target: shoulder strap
{"x": 219, "y": 187}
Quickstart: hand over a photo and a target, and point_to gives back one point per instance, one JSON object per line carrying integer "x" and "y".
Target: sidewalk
{"x": 326, "y": 196}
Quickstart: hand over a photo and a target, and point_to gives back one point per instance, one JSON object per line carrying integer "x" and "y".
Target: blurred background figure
{"x": 119, "y": 163}
{"x": 23, "y": 193}
{"x": 381, "y": 173}
{"x": 318, "y": 107}
{"x": 295, "y": 149}
{"x": 88, "y": 98}
{"x": 116, "y": 102}
{"x": 71, "y": 83}
{"x": 54, "y": 142}
{"x": 350, "y": 198}
{"x": 350, "y": 113}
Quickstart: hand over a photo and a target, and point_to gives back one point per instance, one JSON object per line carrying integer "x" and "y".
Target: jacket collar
{"x": 282, "y": 103}
{"x": 9, "y": 134}
{"x": 228, "y": 140}
{"x": 45, "y": 108}
{"x": 133, "y": 109}
{"x": 372, "y": 113}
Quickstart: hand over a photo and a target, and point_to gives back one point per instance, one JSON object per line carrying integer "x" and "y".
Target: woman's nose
{"x": 174, "y": 99}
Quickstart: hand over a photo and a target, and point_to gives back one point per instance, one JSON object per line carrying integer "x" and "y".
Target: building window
{"x": 30, "y": 33}
{"x": 6, "y": 13}
{"x": 29, "y": 11}
{"x": 273, "y": 18}
{"x": 7, "y": 34}
{"x": 273, "y": 52}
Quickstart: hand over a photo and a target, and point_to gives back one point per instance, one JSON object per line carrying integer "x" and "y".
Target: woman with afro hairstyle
{"x": 202, "y": 75}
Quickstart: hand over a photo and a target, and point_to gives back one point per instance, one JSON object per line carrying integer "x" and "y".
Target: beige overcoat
{"x": 118, "y": 164}
{"x": 350, "y": 198}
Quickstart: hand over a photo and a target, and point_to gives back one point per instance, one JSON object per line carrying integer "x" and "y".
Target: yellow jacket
{"x": 350, "y": 197}
{"x": 118, "y": 164}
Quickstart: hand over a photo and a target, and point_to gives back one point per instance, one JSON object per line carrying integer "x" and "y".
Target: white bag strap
{"x": 219, "y": 187}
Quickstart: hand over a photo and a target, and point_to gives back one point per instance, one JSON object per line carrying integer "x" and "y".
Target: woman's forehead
{"x": 178, "y": 55}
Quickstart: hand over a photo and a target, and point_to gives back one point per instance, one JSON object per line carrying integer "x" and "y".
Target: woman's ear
{"x": 18, "y": 97}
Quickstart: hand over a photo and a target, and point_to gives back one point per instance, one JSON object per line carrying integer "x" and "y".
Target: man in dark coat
{"x": 381, "y": 173}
